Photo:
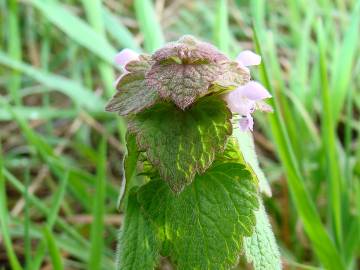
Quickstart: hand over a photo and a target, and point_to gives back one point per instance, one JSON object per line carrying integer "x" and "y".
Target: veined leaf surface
{"x": 203, "y": 227}
{"x": 182, "y": 143}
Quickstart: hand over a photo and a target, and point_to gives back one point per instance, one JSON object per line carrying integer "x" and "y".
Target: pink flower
{"x": 124, "y": 57}
{"x": 245, "y": 99}
{"x": 248, "y": 58}
{"x": 246, "y": 122}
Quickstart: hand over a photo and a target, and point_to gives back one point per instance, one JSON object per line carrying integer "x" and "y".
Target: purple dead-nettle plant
{"x": 192, "y": 182}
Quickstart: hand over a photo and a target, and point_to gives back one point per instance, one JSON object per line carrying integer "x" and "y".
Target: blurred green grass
{"x": 56, "y": 73}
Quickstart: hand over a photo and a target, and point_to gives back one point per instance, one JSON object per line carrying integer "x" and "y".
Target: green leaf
{"x": 261, "y": 248}
{"x": 133, "y": 95}
{"x": 182, "y": 143}
{"x": 203, "y": 227}
{"x": 130, "y": 161}
{"x": 247, "y": 148}
{"x": 138, "y": 244}
{"x": 231, "y": 153}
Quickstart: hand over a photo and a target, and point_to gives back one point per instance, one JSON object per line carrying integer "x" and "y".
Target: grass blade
{"x": 27, "y": 240}
{"x": 322, "y": 244}
{"x": 258, "y": 12}
{"x": 221, "y": 27}
{"x": 38, "y": 113}
{"x": 44, "y": 209}
{"x": 53, "y": 250}
{"x": 344, "y": 64}
{"x": 97, "y": 228}
{"x": 300, "y": 75}
{"x": 65, "y": 243}
{"x": 149, "y": 25}
{"x": 93, "y": 11}
{"x": 329, "y": 143}
{"x": 351, "y": 243}
{"x": 77, "y": 93}
{"x": 14, "y": 49}
{"x": 76, "y": 29}
{"x": 4, "y": 222}
{"x": 291, "y": 123}
{"x": 118, "y": 31}
{"x": 51, "y": 219}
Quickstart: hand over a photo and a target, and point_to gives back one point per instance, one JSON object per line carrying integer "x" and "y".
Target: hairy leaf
{"x": 231, "y": 76}
{"x": 261, "y": 248}
{"x": 129, "y": 166}
{"x": 182, "y": 143}
{"x": 183, "y": 71}
{"x": 138, "y": 245}
{"x": 203, "y": 227}
{"x": 231, "y": 153}
{"x": 247, "y": 148}
{"x": 133, "y": 95}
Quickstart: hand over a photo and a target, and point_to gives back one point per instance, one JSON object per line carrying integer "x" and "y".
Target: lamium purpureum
{"x": 192, "y": 182}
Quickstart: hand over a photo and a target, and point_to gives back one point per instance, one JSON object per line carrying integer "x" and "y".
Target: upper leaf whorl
{"x": 181, "y": 72}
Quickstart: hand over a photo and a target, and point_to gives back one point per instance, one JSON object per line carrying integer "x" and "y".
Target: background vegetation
{"x": 60, "y": 163}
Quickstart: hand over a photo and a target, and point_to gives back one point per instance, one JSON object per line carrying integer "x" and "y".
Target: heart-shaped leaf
{"x": 138, "y": 244}
{"x": 182, "y": 143}
{"x": 133, "y": 95}
{"x": 261, "y": 248}
{"x": 203, "y": 227}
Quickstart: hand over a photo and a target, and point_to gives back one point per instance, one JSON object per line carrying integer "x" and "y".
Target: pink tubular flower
{"x": 124, "y": 57}
{"x": 248, "y": 58}
{"x": 245, "y": 99}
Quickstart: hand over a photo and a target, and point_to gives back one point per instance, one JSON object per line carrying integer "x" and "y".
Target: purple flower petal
{"x": 246, "y": 122}
{"x": 238, "y": 103}
{"x": 248, "y": 58}
{"x": 125, "y": 56}
{"x": 254, "y": 91}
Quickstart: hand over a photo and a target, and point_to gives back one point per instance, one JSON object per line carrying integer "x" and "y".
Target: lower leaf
{"x": 247, "y": 148}
{"x": 129, "y": 167}
{"x": 261, "y": 249}
{"x": 138, "y": 245}
{"x": 203, "y": 227}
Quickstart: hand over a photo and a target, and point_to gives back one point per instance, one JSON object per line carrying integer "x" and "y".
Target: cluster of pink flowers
{"x": 244, "y": 100}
